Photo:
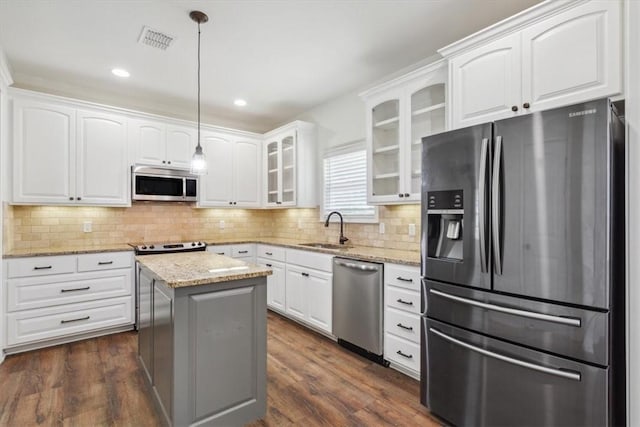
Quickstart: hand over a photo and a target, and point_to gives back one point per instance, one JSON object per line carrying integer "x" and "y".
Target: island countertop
{"x": 179, "y": 270}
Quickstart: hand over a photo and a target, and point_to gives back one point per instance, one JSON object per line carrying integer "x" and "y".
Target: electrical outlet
{"x": 87, "y": 226}
{"x": 381, "y": 228}
{"x": 221, "y": 224}
{"x": 412, "y": 229}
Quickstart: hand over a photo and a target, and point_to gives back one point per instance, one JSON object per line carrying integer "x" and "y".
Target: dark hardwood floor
{"x": 311, "y": 382}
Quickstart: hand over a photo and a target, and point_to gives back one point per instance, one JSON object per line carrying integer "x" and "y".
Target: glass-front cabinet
{"x": 399, "y": 114}
{"x": 289, "y": 162}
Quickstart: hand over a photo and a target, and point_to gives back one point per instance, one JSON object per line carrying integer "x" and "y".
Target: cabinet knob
{"x": 230, "y": 203}
{"x": 70, "y": 198}
{"x": 78, "y": 198}
{"x": 400, "y": 195}
{"x": 235, "y": 203}
{"x": 169, "y": 162}
{"x": 406, "y": 194}
{"x": 525, "y": 105}
{"x": 164, "y": 161}
{"x": 514, "y": 108}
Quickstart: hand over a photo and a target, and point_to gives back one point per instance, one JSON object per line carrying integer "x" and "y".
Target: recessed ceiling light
{"x": 240, "y": 102}
{"x": 120, "y": 72}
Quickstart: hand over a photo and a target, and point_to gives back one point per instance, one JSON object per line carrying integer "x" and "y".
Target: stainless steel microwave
{"x": 163, "y": 185}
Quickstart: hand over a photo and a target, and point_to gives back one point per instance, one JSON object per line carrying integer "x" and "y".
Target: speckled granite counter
{"x": 365, "y": 253}
{"x": 199, "y": 268}
{"x": 66, "y": 250}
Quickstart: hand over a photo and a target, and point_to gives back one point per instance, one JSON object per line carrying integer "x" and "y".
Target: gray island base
{"x": 203, "y": 347}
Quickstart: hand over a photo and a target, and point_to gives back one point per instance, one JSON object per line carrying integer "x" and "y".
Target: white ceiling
{"x": 283, "y": 56}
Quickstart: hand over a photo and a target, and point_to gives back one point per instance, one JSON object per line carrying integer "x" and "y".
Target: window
{"x": 345, "y": 184}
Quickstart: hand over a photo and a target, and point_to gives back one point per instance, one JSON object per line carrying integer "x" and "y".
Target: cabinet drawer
{"x": 104, "y": 261}
{"x": 271, "y": 252}
{"x": 220, "y": 249}
{"x": 310, "y": 259}
{"x": 41, "y": 266}
{"x": 403, "y": 299}
{"x": 402, "y": 352}
{"x": 35, "y": 325}
{"x": 402, "y": 276}
{"x": 37, "y": 292}
{"x": 243, "y": 251}
{"x": 403, "y": 324}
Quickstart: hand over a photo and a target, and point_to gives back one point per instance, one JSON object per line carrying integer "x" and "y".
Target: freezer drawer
{"x": 567, "y": 331}
{"x": 482, "y": 381}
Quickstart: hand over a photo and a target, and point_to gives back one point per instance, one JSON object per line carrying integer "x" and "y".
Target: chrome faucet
{"x": 326, "y": 224}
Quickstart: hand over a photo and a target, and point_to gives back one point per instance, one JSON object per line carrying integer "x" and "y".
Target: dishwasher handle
{"x": 357, "y": 266}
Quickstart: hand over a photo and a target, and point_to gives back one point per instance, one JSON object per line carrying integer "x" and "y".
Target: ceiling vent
{"x": 155, "y": 38}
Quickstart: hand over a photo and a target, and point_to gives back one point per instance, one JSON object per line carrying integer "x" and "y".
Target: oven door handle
{"x": 576, "y": 376}
{"x": 570, "y": 321}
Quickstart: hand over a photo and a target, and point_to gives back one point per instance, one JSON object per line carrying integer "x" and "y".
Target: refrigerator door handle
{"x": 495, "y": 207}
{"x": 570, "y": 321}
{"x": 482, "y": 200}
{"x": 576, "y": 376}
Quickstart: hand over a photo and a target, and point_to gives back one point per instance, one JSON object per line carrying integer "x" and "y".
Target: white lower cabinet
{"x": 402, "y": 318}
{"x": 244, "y": 251}
{"x": 56, "y": 298}
{"x": 308, "y": 296}
{"x": 276, "y": 291}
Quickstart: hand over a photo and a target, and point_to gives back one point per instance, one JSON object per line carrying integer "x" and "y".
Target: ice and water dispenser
{"x": 445, "y": 222}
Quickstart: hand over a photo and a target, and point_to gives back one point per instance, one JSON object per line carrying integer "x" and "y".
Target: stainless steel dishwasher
{"x": 357, "y": 307}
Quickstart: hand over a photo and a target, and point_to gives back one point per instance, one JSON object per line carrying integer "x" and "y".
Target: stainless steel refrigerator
{"x": 523, "y": 270}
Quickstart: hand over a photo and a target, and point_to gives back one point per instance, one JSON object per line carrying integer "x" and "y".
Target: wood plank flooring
{"x": 311, "y": 382}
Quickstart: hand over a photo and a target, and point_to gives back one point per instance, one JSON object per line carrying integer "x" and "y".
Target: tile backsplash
{"x": 28, "y": 227}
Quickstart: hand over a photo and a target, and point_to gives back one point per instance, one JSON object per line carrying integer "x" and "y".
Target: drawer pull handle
{"x": 269, "y": 253}
{"x": 75, "y": 320}
{"x": 269, "y": 265}
{"x": 105, "y": 262}
{"x": 243, "y": 252}
{"x": 220, "y": 253}
{"x": 408, "y": 356}
{"x": 76, "y": 289}
{"x": 402, "y": 279}
{"x": 43, "y": 268}
{"x": 305, "y": 274}
{"x": 408, "y": 328}
{"x": 401, "y": 301}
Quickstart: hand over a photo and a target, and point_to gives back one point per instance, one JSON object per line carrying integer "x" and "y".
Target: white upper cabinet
{"x": 290, "y": 166}
{"x": 102, "y": 166}
{"x": 570, "y": 53}
{"x": 159, "y": 143}
{"x": 233, "y": 171}
{"x": 63, "y": 155}
{"x": 399, "y": 114}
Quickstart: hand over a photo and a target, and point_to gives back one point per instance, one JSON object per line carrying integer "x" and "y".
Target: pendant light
{"x": 198, "y": 161}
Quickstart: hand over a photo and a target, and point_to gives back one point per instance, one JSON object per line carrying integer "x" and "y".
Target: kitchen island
{"x": 202, "y": 337}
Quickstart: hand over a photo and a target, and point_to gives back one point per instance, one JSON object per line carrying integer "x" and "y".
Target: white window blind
{"x": 345, "y": 184}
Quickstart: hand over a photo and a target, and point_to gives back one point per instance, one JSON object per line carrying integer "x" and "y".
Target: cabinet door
{"x": 216, "y": 187}
{"x": 319, "y": 289}
{"x": 145, "y": 325}
{"x": 296, "y": 303}
{"x": 275, "y": 284}
{"x": 384, "y": 154}
{"x": 573, "y": 56}
{"x": 486, "y": 82}
{"x": 43, "y": 153}
{"x": 246, "y": 173}
{"x": 272, "y": 168}
{"x": 149, "y": 140}
{"x": 163, "y": 346}
{"x": 288, "y": 169}
{"x": 103, "y": 176}
{"x": 426, "y": 116}
{"x": 181, "y": 144}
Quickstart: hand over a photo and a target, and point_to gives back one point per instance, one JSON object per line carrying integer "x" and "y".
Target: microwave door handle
{"x": 184, "y": 188}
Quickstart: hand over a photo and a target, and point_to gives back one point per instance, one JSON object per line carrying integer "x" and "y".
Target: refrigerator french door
{"x": 522, "y": 265}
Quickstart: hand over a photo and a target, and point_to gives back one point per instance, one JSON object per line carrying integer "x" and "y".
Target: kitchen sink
{"x": 324, "y": 245}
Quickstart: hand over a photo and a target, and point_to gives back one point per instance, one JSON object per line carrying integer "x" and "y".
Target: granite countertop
{"x": 199, "y": 268}
{"x": 66, "y": 250}
{"x": 364, "y": 253}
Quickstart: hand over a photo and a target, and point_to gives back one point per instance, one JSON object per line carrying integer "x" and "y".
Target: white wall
{"x": 632, "y": 84}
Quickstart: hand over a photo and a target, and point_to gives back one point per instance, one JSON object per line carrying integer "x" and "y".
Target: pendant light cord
{"x": 198, "y": 84}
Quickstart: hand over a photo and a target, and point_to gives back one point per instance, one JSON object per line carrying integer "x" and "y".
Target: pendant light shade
{"x": 198, "y": 161}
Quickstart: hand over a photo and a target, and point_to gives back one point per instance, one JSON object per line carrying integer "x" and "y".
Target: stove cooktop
{"x": 166, "y": 248}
